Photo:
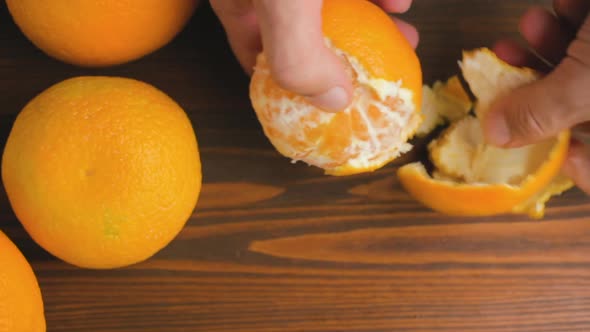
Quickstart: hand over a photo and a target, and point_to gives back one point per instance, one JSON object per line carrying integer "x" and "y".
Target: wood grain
{"x": 279, "y": 247}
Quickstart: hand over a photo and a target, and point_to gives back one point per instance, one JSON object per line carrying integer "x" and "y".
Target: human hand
{"x": 559, "y": 101}
{"x": 291, "y": 32}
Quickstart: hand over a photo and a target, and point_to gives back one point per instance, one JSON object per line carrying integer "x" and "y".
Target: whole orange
{"x": 21, "y": 304}
{"x": 100, "y": 33}
{"x": 102, "y": 172}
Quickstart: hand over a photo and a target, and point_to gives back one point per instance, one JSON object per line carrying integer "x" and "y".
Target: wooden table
{"x": 279, "y": 247}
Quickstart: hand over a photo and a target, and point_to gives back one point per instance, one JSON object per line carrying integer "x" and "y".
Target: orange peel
{"x": 443, "y": 102}
{"x": 384, "y": 113}
{"x": 472, "y": 178}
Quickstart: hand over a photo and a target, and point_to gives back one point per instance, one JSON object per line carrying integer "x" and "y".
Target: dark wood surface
{"x": 279, "y": 247}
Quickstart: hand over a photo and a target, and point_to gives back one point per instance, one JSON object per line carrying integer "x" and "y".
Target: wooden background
{"x": 280, "y": 247}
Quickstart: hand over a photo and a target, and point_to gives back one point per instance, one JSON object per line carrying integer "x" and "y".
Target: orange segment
{"x": 472, "y": 178}
{"x": 383, "y": 115}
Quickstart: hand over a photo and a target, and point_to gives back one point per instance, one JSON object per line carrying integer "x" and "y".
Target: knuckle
{"x": 529, "y": 122}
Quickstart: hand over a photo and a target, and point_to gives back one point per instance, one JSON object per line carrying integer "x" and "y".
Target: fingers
{"x": 298, "y": 57}
{"x": 543, "y": 31}
{"x": 573, "y": 12}
{"x": 544, "y": 108}
{"x": 409, "y": 31}
{"x": 401, "y": 6}
{"x": 577, "y": 166}
{"x": 517, "y": 55}
{"x": 394, "y": 6}
{"x": 241, "y": 26}
{"x": 579, "y": 49}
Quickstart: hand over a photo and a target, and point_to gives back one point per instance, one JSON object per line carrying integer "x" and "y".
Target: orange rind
{"x": 102, "y": 172}
{"x": 384, "y": 113}
{"x": 21, "y": 301}
{"x": 472, "y": 178}
{"x": 442, "y": 103}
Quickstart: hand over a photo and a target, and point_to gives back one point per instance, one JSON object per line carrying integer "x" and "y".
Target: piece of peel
{"x": 452, "y": 152}
{"x": 489, "y": 77}
{"x": 535, "y": 207}
{"x": 472, "y": 178}
{"x": 442, "y": 103}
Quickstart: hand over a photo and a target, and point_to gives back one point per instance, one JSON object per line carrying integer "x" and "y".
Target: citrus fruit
{"x": 472, "y": 178}
{"x": 102, "y": 171}
{"x": 442, "y": 103}
{"x": 100, "y": 33}
{"x": 385, "y": 110}
{"x": 21, "y": 304}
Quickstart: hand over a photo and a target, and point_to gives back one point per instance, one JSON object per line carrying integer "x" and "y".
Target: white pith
{"x": 387, "y": 138}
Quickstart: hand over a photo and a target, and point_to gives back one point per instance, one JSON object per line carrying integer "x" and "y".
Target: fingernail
{"x": 333, "y": 100}
{"x": 498, "y": 132}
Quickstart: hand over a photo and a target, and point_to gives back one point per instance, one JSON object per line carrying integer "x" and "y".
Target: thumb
{"x": 546, "y": 107}
{"x": 299, "y": 60}
{"x": 541, "y": 109}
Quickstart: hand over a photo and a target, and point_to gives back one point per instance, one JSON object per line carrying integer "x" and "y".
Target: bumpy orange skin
{"x": 103, "y": 172}
{"x": 100, "y": 33}
{"x": 484, "y": 199}
{"x": 361, "y": 29}
{"x": 21, "y": 303}
{"x": 358, "y": 30}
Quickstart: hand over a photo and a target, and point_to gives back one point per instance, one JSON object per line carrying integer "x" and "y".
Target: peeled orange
{"x": 21, "y": 304}
{"x": 472, "y": 178}
{"x": 102, "y": 172}
{"x": 100, "y": 33}
{"x": 384, "y": 113}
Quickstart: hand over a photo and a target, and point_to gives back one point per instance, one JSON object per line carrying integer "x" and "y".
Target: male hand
{"x": 561, "y": 100}
{"x": 291, "y": 32}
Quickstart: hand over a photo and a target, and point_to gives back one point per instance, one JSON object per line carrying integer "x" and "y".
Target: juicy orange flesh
{"x": 365, "y": 131}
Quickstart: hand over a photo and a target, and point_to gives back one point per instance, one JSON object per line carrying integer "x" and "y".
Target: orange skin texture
{"x": 482, "y": 200}
{"x": 102, "y": 172}
{"x": 100, "y": 33}
{"x": 21, "y": 303}
{"x": 361, "y": 30}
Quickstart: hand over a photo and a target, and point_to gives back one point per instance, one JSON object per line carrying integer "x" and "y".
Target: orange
{"x": 472, "y": 178}
{"x": 102, "y": 172}
{"x": 443, "y": 102}
{"x": 384, "y": 113}
{"x": 100, "y": 33}
{"x": 21, "y": 304}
